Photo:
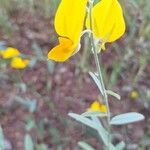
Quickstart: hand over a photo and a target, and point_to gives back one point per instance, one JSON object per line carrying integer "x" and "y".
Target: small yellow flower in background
{"x": 69, "y": 21}
{"x": 134, "y": 94}
{"x": 107, "y": 21}
{"x": 97, "y": 107}
{"x": 9, "y": 52}
{"x": 19, "y": 63}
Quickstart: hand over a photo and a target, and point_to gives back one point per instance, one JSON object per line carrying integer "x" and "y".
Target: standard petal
{"x": 69, "y": 18}
{"x": 119, "y": 26}
{"x": 107, "y": 20}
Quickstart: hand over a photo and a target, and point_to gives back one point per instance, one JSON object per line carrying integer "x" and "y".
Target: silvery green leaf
{"x": 96, "y": 80}
{"x": 30, "y": 104}
{"x": 109, "y": 92}
{"x": 96, "y": 114}
{"x": 2, "y": 45}
{"x": 85, "y": 146}
{"x": 22, "y": 86}
{"x": 120, "y": 146}
{"x": 126, "y": 118}
{"x": 42, "y": 147}
{"x": 1, "y": 139}
{"x": 50, "y": 66}
{"x": 84, "y": 120}
{"x": 103, "y": 133}
{"x": 36, "y": 47}
{"x": 28, "y": 143}
{"x": 30, "y": 124}
{"x": 33, "y": 62}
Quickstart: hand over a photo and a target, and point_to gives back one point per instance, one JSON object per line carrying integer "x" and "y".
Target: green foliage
{"x": 95, "y": 123}
{"x": 85, "y": 146}
{"x": 96, "y": 114}
{"x": 109, "y": 92}
{"x": 55, "y": 3}
{"x": 97, "y": 82}
{"x": 2, "y": 45}
{"x": 28, "y": 143}
{"x": 41, "y": 147}
{"x": 1, "y": 139}
{"x": 28, "y": 103}
{"x": 126, "y": 118}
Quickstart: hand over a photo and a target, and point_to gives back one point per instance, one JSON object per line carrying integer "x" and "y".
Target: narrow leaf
{"x": 28, "y": 143}
{"x": 113, "y": 94}
{"x": 126, "y": 118}
{"x": 84, "y": 120}
{"x": 103, "y": 133}
{"x": 96, "y": 114}
{"x": 96, "y": 80}
{"x": 50, "y": 66}
{"x": 1, "y": 139}
{"x": 85, "y": 146}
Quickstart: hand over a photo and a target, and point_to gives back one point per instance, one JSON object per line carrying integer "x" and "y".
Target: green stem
{"x": 85, "y": 56}
{"x": 99, "y": 72}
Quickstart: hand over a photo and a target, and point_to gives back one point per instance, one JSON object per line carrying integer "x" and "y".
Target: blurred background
{"x": 35, "y": 101}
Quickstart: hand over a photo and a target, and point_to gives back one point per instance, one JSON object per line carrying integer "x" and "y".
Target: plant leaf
{"x": 126, "y": 118}
{"x": 96, "y": 114}
{"x": 2, "y": 45}
{"x": 50, "y": 66}
{"x": 84, "y": 120}
{"x": 120, "y": 146}
{"x": 1, "y": 139}
{"x": 28, "y": 103}
{"x": 41, "y": 147}
{"x": 103, "y": 133}
{"x": 28, "y": 143}
{"x": 96, "y": 80}
{"x": 85, "y": 146}
{"x": 113, "y": 94}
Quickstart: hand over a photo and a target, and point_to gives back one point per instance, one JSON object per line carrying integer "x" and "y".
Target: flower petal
{"x": 97, "y": 107}
{"x": 19, "y": 63}
{"x": 69, "y": 19}
{"x": 62, "y": 51}
{"x": 9, "y": 53}
{"x": 107, "y": 20}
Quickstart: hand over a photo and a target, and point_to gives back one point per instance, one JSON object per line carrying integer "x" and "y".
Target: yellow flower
{"x": 107, "y": 24}
{"x": 107, "y": 21}
{"x": 19, "y": 63}
{"x": 134, "y": 94}
{"x": 69, "y": 21}
{"x": 97, "y": 107}
{"x": 10, "y": 52}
